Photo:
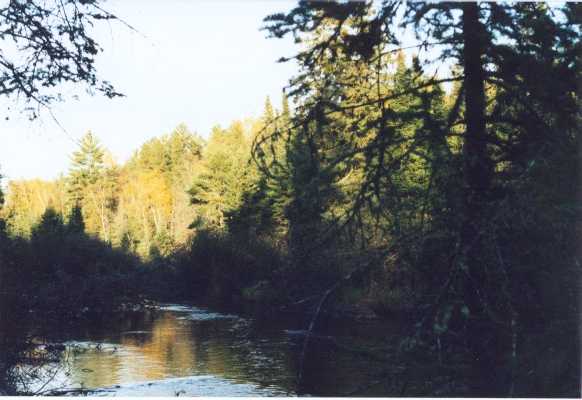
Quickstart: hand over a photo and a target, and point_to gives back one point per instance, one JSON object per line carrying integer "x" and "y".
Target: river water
{"x": 193, "y": 351}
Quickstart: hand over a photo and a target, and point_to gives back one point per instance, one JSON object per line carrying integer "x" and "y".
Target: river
{"x": 177, "y": 349}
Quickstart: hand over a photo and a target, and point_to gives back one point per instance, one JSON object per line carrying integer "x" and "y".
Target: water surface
{"x": 187, "y": 350}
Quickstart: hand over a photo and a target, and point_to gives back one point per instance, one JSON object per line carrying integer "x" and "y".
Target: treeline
{"x": 150, "y": 206}
{"x": 173, "y": 193}
{"x": 141, "y": 206}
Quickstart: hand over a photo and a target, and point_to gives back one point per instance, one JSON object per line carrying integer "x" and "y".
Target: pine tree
{"x": 86, "y": 167}
{"x": 75, "y": 223}
{"x": 219, "y": 187}
{"x": 506, "y": 120}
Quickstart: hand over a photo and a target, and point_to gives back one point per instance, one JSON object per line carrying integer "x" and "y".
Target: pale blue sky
{"x": 201, "y": 62}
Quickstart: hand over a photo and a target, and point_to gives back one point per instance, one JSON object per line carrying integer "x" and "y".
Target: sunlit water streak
{"x": 191, "y": 351}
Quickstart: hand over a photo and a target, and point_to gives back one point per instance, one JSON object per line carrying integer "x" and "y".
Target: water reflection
{"x": 168, "y": 344}
{"x": 189, "y": 349}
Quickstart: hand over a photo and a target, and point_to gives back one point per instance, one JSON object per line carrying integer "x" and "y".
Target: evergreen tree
{"x": 497, "y": 50}
{"x": 86, "y": 167}
{"x": 75, "y": 223}
{"x": 218, "y": 188}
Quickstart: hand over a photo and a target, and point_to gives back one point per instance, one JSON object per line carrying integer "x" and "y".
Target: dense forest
{"x": 379, "y": 181}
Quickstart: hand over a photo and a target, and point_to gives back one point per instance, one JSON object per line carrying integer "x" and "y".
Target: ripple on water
{"x": 195, "y": 313}
{"x": 204, "y": 385}
{"x": 90, "y": 345}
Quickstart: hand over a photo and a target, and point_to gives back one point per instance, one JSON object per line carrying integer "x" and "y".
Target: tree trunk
{"x": 476, "y": 186}
{"x": 477, "y": 165}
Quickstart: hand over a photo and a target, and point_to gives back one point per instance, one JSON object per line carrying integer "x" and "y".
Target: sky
{"x": 200, "y": 62}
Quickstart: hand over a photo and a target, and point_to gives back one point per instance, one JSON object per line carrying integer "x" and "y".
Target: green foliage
{"x": 86, "y": 168}
{"x": 225, "y": 175}
{"x": 76, "y": 224}
{"x": 451, "y": 174}
{"x": 141, "y": 207}
{"x": 153, "y": 206}
{"x": 221, "y": 268}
